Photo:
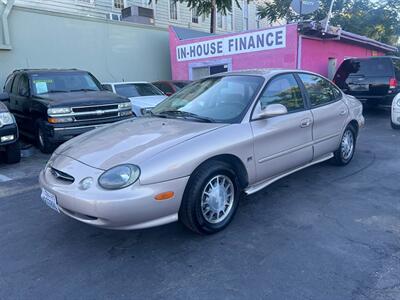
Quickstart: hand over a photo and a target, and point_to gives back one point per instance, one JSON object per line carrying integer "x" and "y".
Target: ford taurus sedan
{"x": 201, "y": 149}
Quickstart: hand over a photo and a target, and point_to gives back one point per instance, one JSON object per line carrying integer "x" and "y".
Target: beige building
{"x": 166, "y": 12}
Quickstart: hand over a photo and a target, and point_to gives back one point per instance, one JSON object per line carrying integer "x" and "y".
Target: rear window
{"x": 136, "y": 90}
{"x": 396, "y": 63}
{"x": 365, "y": 67}
{"x": 180, "y": 85}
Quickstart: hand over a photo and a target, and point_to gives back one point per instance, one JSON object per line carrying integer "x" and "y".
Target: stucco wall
{"x": 112, "y": 51}
{"x": 275, "y": 58}
{"x": 316, "y": 53}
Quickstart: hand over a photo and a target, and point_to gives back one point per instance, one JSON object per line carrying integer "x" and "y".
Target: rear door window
{"x": 15, "y": 85}
{"x": 320, "y": 91}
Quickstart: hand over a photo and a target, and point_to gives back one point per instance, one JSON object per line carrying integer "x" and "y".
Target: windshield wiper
{"x": 185, "y": 115}
{"x": 55, "y": 91}
{"x": 83, "y": 90}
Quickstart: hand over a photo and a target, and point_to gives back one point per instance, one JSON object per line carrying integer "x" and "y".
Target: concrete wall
{"x": 112, "y": 51}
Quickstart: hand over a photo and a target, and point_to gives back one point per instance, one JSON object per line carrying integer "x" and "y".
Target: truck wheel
{"x": 211, "y": 198}
{"x": 394, "y": 126}
{"x": 13, "y": 153}
{"x": 42, "y": 140}
{"x": 345, "y": 152}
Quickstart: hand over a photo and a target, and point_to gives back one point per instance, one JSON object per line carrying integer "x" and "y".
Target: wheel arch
{"x": 354, "y": 123}
{"x": 234, "y": 162}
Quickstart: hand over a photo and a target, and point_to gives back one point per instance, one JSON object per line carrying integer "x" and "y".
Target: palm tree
{"x": 210, "y": 8}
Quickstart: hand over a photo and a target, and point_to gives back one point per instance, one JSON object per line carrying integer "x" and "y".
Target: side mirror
{"x": 272, "y": 110}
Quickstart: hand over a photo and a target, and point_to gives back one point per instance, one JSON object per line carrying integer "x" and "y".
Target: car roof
{"x": 30, "y": 71}
{"x": 266, "y": 73}
{"x": 372, "y": 57}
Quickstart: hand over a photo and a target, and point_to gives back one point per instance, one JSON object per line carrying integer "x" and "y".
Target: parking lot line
{"x": 4, "y": 178}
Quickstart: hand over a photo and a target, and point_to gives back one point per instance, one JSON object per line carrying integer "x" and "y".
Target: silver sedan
{"x": 200, "y": 149}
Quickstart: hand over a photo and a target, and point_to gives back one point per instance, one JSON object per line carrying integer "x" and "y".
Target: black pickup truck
{"x": 9, "y": 143}
{"x": 52, "y": 105}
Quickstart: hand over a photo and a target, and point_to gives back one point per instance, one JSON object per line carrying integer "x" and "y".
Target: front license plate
{"x": 50, "y": 199}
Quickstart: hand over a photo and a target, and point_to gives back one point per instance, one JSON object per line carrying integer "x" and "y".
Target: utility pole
{"x": 329, "y": 15}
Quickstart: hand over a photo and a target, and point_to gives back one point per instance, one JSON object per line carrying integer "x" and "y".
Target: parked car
{"x": 201, "y": 148}
{"x": 53, "y": 106}
{"x": 143, "y": 95}
{"x": 373, "y": 80}
{"x": 9, "y": 143}
{"x": 395, "y": 113}
{"x": 170, "y": 87}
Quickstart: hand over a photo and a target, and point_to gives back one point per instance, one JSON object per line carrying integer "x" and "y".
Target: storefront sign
{"x": 268, "y": 39}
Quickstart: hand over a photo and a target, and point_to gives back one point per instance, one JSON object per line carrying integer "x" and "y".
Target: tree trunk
{"x": 213, "y": 22}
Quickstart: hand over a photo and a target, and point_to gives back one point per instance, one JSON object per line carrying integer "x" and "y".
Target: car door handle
{"x": 305, "y": 123}
{"x": 343, "y": 112}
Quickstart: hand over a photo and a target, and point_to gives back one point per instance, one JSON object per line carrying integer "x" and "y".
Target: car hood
{"x": 131, "y": 141}
{"x": 81, "y": 98}
{"x": 147, "y": 101}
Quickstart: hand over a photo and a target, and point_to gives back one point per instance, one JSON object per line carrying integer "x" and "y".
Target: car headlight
{"x": 6, "y": 119}
{"x": 125, "y": 105}
{"x": 119, "y": 177}
{"x": 58, "y": 110}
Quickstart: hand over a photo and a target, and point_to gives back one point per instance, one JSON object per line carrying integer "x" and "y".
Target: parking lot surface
{"x": 323, "y": 233}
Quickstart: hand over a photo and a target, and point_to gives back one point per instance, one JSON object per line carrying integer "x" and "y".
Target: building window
{"x": 229, "y": 21}
{"x": 88, "y": 2}
{"x": 245, "y": 15}
{"x": 119, "y": 4}
{"x": 173, "y": 9}
{"x": 219, "y": 20}
{"x": 195, "y": 15}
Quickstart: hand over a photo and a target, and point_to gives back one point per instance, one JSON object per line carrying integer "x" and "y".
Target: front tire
{"x": 13, "y": 153}
{"x": 211, "y": 198}
{"x": 42, "y": 139}
{"x": 344, "y": 154}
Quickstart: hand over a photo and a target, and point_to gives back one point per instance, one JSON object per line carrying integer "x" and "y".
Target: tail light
{"x": 393, "y": 83}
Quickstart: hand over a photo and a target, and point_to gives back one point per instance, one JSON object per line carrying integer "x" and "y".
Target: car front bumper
{"x": 133, "y": 207}
{"x": 59, "y": 133}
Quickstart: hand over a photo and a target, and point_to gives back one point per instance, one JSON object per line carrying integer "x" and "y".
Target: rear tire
{"x": 394, "y": 126}
{"x": 344, "y": 154}
{"x": 13, "y": 153}
{"x": 211, "y": 198}
{"x": 42, "y": 139}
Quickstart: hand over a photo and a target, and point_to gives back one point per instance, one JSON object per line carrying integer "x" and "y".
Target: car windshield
{"x": 137, "y": 90}
{"x": 62, "y": 82}
{"x": 216, "y": 99}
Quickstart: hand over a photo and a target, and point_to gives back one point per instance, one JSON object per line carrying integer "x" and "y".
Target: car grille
{"x": 59, "y": 175}
{"x": 95, "y": 112}
{"x": 94, "y": 108}
{"x": 95, "y": 116}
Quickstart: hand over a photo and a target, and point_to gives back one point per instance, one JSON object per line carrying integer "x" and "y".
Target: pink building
{"x": 197, "y": 54}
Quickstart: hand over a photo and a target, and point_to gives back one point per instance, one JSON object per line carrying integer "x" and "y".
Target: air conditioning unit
{"x": 113, "y": 16}
{"x": 138, "y": 14}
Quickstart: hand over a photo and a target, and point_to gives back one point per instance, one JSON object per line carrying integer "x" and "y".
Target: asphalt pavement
{"x": 325, "y": 232}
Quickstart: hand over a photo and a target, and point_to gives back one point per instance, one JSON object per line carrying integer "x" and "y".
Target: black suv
{"x": 9, "y": 136}
{"x": 53, "y": 106}
{"x": 373, "y": 80}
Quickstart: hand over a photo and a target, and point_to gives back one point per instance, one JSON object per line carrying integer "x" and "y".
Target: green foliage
{"x": 379, "y": 20}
